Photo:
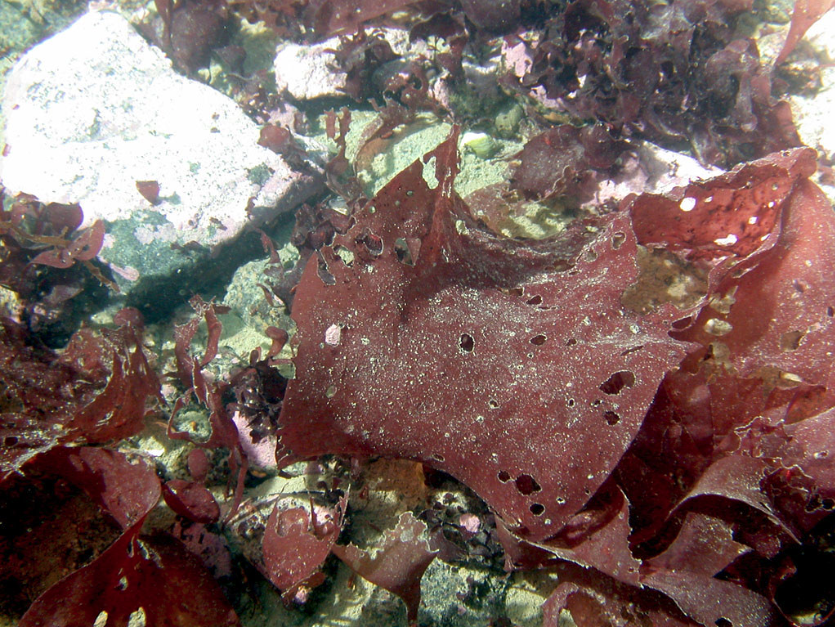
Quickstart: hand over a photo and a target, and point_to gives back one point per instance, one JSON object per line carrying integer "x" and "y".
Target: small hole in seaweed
{"x": 611, "y": 418}
{"x": 537, "y": 509}
{"x": 437, "y": 457}
{"x": 466, "y": 342}
{"x": 373, "y": 243}
{"x": 493, "y": 403}
{"x": 618, "y": 381}
{"x": 629, "y": 351}
{"x": 404, "y": 255}
{"x": 538, "y": 340}
{"x": 324, "y": 273}
{"x": 503, "y": 476}
{"x": 344, "y": 255}
{"x": 534, "y": 300}
{"x": 527, "y": 485}
{"x": 571, "y": 342}
{"x": 791, "y": 340}
{"x": 683, "y": 323}
{"x": 618, "y": 239}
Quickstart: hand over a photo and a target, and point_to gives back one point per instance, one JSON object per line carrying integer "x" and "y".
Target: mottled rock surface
{"x": 813, "y": 111}
{"x": 307, "y": 72}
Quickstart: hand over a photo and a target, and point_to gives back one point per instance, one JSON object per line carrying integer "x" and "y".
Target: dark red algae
{"x": 586, "y": 426}
{"x": 641, "y": 406}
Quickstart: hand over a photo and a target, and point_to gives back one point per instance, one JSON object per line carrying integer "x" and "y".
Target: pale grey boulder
{"x": 95, "y": 109}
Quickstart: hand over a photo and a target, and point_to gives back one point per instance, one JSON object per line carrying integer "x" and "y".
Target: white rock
{"x": 820, "y": 34}
{"x": 307, "y": 72}
{"x": 95, "y": 109}
{"x": 650, "y": 168}
{"x": 813, "y": 115}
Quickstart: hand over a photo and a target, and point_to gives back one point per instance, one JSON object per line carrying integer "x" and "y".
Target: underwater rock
{"x": 340, "y": 66}
{"x": 650, "y": 168}
{"x": 95, "y": 114}
{"x": 812, "y": 108}
{"x": 308, "y": 72}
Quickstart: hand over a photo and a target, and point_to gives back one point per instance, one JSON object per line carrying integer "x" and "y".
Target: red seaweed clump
{"x": 678, "y": 74}
{"x": 50, "y": 263}
{"x": 482, "y": 321}
{"x": 676, "y": 452}
{"x": 191, "y": 30}
{"x": 60, "y": 416}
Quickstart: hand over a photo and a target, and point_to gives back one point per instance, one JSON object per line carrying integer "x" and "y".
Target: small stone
{"x": 308, "y": 72}
{"x": 333, "y": 335}
{"x": 508, "y": 119}
{"x": 480, "y": 144}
